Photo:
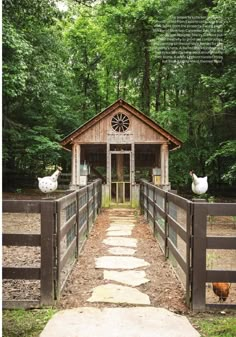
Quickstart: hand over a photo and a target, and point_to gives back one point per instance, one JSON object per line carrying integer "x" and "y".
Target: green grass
{"x": 30, "y": 323}
{"x": 25, "y": 323}
{"x": 215, "y": 327}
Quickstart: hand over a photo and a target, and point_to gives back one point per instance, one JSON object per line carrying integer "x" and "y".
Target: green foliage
{"x": 61, "y": 68}
{"x": 173, "y": 120}
{"x": 37, "y": 86}
{"x": 227, "y": 153}
{"x": 24, "y": 323}
{"x": 16, "y": 52}
{"x": 219, "y": 326}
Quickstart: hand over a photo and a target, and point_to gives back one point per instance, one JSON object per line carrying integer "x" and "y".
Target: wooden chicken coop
{"x": 120, "y": 145}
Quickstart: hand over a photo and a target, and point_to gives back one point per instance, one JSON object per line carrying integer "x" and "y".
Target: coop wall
{"x": 138, "y": 132}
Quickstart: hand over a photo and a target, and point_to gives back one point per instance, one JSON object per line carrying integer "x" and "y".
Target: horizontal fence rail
{"x": 162, "y": 210}
{"x": 180, "y": 228}
{"x": 76, "y": 214}
{"x": 44, "y": 240}
{"x": 65, "y": 224}
{"x": 202, "y": 242}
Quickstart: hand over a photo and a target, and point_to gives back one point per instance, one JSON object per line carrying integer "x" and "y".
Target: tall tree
{"x": 61, "y": 68}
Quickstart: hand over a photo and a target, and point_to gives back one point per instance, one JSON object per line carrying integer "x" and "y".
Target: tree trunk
{"x": 118, "y": 85}
{"x": 158, "y": 88}
{"x": 164, "y": 97}
{"x": 85, "y": 86}
{"x": 107, "y": 87}
{"x": 190, "y": 122}
{"x": 124, "y": 89}
{"x": 146, "y": 79}
{"x": 176, "y": 97}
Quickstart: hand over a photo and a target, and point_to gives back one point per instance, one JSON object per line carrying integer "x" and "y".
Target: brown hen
{"x": 221, "y": 289}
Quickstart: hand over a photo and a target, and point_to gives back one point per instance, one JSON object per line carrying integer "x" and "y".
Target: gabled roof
{"x": 175, "y": 142}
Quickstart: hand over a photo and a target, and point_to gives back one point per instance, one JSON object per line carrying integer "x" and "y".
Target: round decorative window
{"x": 120, "y": 122}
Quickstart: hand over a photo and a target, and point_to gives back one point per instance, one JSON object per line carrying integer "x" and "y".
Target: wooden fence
{"x": 202, "y": 242}
{"x": 45, "y": 240}
{"x": 64, "y": 226}
{"x": 76, "y": 214}
{"x": 180, "y": 227}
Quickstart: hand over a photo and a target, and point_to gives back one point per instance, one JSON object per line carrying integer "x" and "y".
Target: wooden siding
{"x": 102, "y": 132}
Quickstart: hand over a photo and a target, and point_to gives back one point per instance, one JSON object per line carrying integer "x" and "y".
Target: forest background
{"x": 64, "y": 62}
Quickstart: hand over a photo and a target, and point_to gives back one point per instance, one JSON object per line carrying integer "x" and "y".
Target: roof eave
{"x": 67, "y": 141}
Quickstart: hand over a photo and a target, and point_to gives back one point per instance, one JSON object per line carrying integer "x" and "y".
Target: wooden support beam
{"x": 73, "y": 166}
{"x": 164, "y": 164}
{"x": 132, "y": 165}
{"x": 78, "y": 164}
{"x": 108, "y": 194}
{"x": 75, "y": 178}
{"x": 108, "y": 164}
{"x": 120, "y": 176}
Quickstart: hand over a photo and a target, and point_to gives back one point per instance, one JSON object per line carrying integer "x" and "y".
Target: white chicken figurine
{"x": 49, "y": 184}
{"x": 199, "y": 184}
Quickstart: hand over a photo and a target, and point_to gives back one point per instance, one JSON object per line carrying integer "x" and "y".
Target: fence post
{"x": 141, "y": 196}
{"x": 146, "y": 208}
{"x": 189, "y": 233}
{"x": 154, "y": 210}
{"x": 77, "y": 220}
{"x": 57, "y": 250}
{"x": 87, "y": 191}
{"x": 94, "y": 209}
{"x": 166, "y": 210}
{"x": 99, "y": 196}
{"x": 147, "y": 196}
{"x": 48, "y": 224}
{"x": 199, "y": 257}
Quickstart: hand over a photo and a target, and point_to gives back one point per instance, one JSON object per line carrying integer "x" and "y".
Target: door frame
{"x": 113, "y": 152}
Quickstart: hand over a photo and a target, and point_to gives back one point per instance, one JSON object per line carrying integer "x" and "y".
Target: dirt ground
{"x": 164, "y": 289}
{"x": 221, "y": 259}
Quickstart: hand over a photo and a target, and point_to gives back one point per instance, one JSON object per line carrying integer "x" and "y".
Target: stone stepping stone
{"x": 122, "y": 224}
{"x": 113, "y": 293}
{"x": 119, "y": 262}
{"x": 117, "y": 322}
{"x": 120, "y": 227}
{"x": 123, "y": 221}
{"x": 121, "y": 251}
{"x": 127, "y": 216}
{"x": 132, "y": 278}
{"x": 122, "y": 215}
{"x": 119, "y": 233}
{"x": 119, "y": 241}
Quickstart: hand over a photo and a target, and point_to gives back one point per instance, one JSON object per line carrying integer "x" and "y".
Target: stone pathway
{"x": 119, "y": 235}
{"x": 128, "y": 272}
{"x": 118, "y": 322}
